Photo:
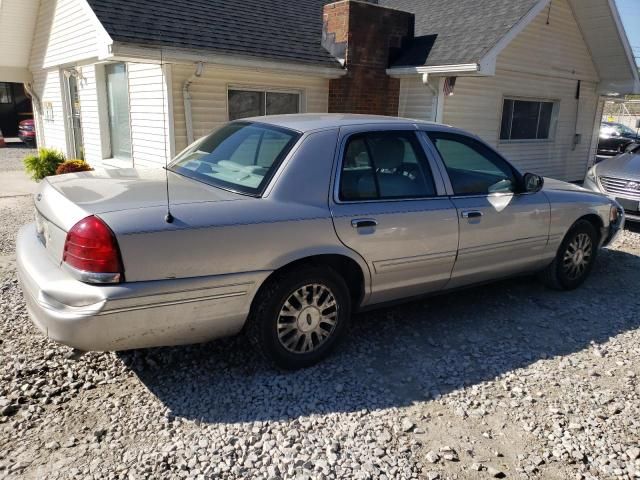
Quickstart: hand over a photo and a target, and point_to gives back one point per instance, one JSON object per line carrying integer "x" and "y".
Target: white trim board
{"x": 466, "y": 68}
{"x": 132, "y": 53}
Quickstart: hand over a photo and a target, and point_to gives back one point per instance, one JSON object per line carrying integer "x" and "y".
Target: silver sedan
{"x": 283, "y": 226}
{"x": 619, "y": 178}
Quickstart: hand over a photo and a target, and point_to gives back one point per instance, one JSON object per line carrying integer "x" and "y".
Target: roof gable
{"x": 457, "y": 32}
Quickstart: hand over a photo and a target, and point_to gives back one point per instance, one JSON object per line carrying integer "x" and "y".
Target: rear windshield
{"x": 241, "y": 156}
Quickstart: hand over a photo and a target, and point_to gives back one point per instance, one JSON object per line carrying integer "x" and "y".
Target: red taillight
{"x": 91, "y": 247}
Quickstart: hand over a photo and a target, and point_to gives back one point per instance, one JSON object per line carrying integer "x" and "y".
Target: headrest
{"x": 388, "y": 152}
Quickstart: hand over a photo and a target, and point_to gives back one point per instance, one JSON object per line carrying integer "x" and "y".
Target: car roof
{"x": 307, "y": 122}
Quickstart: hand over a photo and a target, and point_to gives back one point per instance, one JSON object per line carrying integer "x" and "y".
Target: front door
{"x": 73, "y": 116}
{"x": 390, "y": 208}
{"x": 502, "y": 232}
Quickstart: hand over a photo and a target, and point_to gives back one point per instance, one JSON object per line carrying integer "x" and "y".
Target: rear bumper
{"x": 129, "y": 315}
{"x": 27, "y": 137}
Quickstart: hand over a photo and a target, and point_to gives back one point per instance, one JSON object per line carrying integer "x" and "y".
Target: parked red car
{"x": 27, "y": 132}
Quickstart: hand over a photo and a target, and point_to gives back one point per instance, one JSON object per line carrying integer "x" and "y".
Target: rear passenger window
{"x": 385, "y": 165}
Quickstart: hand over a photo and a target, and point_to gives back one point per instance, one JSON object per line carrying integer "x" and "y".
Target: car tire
{"x": 575, "y": 258}
{"x": 280, "y": 325}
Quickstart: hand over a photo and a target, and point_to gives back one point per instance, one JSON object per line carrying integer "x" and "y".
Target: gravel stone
{"x": 407, "y": 425}
{"x": 432, "y": 457}
{"x": 495, "y": 473}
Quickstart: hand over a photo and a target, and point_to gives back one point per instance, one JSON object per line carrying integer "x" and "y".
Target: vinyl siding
{"x": 538, "y": 64}
{"x": 416, "y": 100}
{"x": 149, "y": 112}
{"x": 66, "y": 33}
{"x": 209, "y": 95}
{"x": 51, "y": 126}
{"x": 557, "y": 49}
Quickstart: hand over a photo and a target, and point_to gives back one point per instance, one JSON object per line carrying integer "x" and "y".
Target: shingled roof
{"x": 447, "y": 31}
{"x": 284, "y": 30}
{"x": 450, "y": 32}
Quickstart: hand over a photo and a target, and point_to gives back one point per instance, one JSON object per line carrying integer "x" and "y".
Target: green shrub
{"x": 43, "y": 164}
{"x": 72, "y": 166}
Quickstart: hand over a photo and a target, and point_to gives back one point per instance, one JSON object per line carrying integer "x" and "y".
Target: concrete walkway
{"x": 14, "y": 183}
{"x": 13, "y": 179}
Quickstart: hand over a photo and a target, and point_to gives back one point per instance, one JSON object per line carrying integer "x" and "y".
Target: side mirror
{"x": 532, "y": 183}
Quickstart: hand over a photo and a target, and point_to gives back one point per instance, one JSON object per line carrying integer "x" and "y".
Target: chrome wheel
{"x": 577, "y": 256}
{"x": 307, "y": 319}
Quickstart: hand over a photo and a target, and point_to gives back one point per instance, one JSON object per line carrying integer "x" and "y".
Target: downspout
{"x": 37, "y": 104}
{"x": 434, "y": 95}
{"x": 577, "y": 137}
{"x": 425, "y": 80}
{"x": 34, "y": 96}
{"x": 186, "y": 97}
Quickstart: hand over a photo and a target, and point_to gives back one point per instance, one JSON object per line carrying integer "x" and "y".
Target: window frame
{"x": 553, "y": 126}
{"x": 439, "y": 187}
{"x": 443, "y": 166}
{"x": 264, "y": 89}
{"x": 105, "y": 117}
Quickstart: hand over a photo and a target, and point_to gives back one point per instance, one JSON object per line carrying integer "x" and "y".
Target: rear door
{"x": 390, "y": 207}
{"x": 502, "y": 231}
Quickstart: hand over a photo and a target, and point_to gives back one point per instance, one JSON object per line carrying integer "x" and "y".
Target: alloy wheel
{"x": 577, "y": 256}
{"x": 307, "y": 318}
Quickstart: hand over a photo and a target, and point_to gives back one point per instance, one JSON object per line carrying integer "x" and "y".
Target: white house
{"x": 130, "y": 82}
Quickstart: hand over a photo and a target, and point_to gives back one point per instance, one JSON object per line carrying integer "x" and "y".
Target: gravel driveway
{"x": 508, "y": 380}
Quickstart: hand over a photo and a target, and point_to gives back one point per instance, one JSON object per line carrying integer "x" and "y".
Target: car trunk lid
{"x": 62, "y": 201}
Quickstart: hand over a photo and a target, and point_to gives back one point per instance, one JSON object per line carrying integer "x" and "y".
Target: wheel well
{"x": 594, "y": 220}
{"x": 346, "y": 267}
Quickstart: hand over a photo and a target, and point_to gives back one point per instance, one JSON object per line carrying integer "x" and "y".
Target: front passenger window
{"x": 473, "y": 168}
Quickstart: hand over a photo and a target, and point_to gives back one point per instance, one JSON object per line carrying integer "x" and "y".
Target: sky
{"x": 630, "y": 13}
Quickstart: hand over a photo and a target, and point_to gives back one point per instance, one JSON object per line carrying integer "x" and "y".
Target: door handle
{"x": 471, "y": 214}
{"x": 363, "y": 223}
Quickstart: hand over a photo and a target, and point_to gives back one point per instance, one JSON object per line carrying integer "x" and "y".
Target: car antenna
{"x": 168, "y": 217}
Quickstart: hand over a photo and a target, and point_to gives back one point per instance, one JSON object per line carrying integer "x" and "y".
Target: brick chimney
{"x": 365, "y": 38}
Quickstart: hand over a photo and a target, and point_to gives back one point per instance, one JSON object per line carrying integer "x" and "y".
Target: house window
{"x": 118, "y": 109}
{"x": 5, "y": 93}
{"x": 255, "y": 103}
{"x": 527, "y": 119}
